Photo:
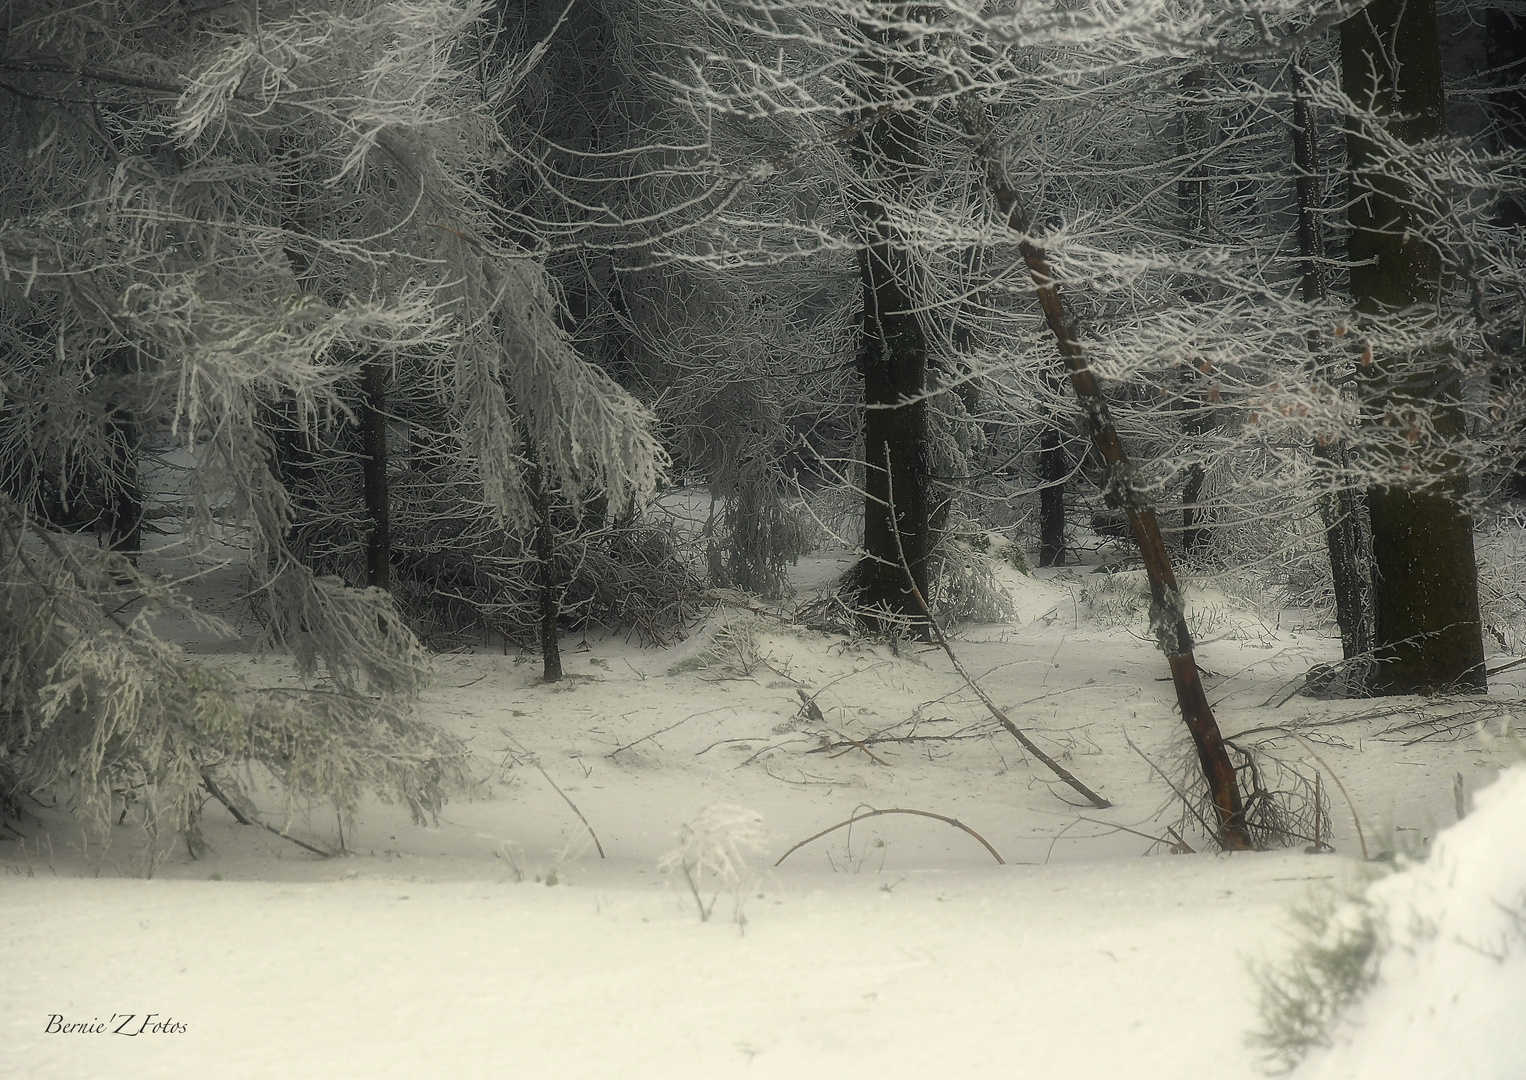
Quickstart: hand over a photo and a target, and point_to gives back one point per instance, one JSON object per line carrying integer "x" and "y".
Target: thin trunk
{"x": 1054, "y": 470}
{"x": 1429, "y": 634}
{"x": 373, "y": 434}
{"x": 1343, "y": 511}
{"x": 1167, "y": 618}
{"x": 893, "y": 362}
{"x": 549, "y": 585}
{"x": 1194, "y": 198}
{"x": 124, "y": 482}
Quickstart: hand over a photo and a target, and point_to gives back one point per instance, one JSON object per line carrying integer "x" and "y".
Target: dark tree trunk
{"x": 1429, "y": 634}
{"x": 550, "y": 587}
{"x": 1167, "y": 617}
{"x": 1194, "y": 536}
{"x": 373, "y": 434}
{"x": 1343, "y": 511}
{"x": 1507, "y": 104}
{"x": 1054, "y": 470}
{"x": 1507, "y": 108}
{"x": 893, "y": 361}
{"x": 124, "y": 482}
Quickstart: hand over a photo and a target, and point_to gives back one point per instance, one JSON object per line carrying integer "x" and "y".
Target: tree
{"x": 1429, "y": 634}
{"x": 266, "y": 218}
{"x": 893, "y": 350}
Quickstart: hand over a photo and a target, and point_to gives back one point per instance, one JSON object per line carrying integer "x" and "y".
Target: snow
{"x": 498, "y": 942}
{"x": 1453, "y": 978}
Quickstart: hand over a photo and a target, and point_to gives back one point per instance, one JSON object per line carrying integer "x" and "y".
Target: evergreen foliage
{"x": 234, "y": 209}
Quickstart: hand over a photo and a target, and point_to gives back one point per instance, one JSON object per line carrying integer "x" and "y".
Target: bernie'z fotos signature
{"x": 119, "y": 1024}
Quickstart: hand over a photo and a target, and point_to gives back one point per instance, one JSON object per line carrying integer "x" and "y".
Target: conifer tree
{"x": 263, "y": 208}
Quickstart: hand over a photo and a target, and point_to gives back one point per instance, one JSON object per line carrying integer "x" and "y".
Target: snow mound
{"x": 1452, "y": 979}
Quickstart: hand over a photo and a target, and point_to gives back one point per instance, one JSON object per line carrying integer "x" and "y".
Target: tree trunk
{"x": 1429, "y": 634}
{"x": 1194, "y": 199}
{"x": 1054, "y": 470}
{"x": 893, "y": 361}
{"x": 1343, "y": 512}
{"x": 549, "y": 586}
{"x": 1507, "y": 104}
{"x": 1167, "y": 617}
{"x": 373, "y": 433}
{"x": 1507, "y": 108}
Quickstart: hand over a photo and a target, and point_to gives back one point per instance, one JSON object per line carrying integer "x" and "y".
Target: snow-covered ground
{"x": 500, "y": 943}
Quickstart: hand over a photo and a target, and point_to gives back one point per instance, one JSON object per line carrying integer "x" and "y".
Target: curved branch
{"x": 955, "y": 822}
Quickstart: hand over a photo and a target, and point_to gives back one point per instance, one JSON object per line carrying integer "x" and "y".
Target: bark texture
{"x": 1167, "y": 617}
{"x": 1343, "y": 512}
{"x": 892, "y": 358}
{"x": 1428, "y": 632}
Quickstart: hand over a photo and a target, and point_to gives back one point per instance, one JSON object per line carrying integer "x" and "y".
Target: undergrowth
{"x": 1335, "y": 960}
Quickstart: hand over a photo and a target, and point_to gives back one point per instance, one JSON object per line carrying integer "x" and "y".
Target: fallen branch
{"x": 244, "y": 819}
{"x": 654, "y": 734}
{"x": 908, "y": 739}
{"x": 533, "y": 760}
{"x": 955, "y": 822}
{"x": 941, "y": 640}
{"x": 855, "y": 744}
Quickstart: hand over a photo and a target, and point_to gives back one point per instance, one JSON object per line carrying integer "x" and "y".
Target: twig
{"x": 941, "y": 639}
{"x": 1361, "y": 839}
{"x": 243, "y": 819}
{"x": 723, "y": 742}
{"x": 852, "y": 743}
{"x": 1136, "y": 832}
{"x": 773, "y": 746}
{"x": 1180, "y": 794}
{"x": 653, "y": 735}
{"x": 896, "y": 810}
{"x": 533, "y": 760}
{"x": 877, "y": 740}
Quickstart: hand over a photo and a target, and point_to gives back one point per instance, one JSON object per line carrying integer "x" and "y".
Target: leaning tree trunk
{"x": 1167, "y": 616}
{"x": 892, "y": 359}
{"x": 373, "y": 433}
{"x": 1343, "y": 511}
{"x": 1429, "y": 634}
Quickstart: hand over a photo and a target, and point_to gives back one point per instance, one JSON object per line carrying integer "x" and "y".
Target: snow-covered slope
{"x": 895, "y": 948}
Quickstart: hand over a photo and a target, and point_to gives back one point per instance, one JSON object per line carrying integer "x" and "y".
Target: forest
{"x": 414, "y": 412}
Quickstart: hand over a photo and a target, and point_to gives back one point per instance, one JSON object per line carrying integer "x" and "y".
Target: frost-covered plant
{"x": 1335, "y": 960}
{"x": 98, "y": 708}
{"x": 1502, "y": 577}
{"x": 260, "y": 207}
{"x": 1404, "y": 978}
{"x": 728, "y": 646}
{"x": 963, "y": 584}
{"x": 712, "y": 855}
